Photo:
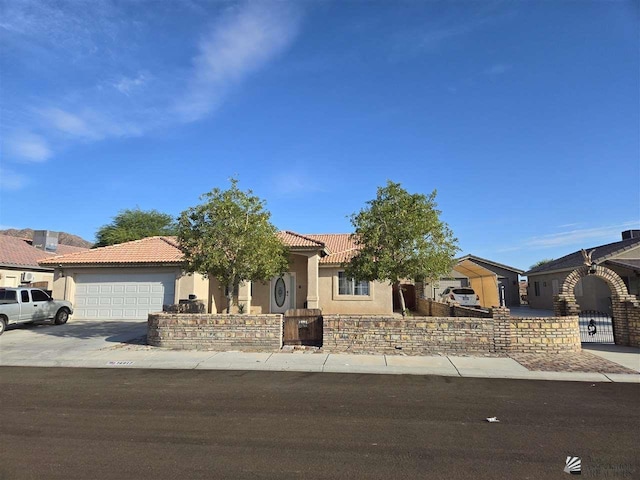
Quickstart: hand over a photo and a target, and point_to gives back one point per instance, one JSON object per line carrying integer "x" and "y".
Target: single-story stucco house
{"x": 19, "y": 259}
{"x": 132, "y": 279}
{"x": 592, "y": 293}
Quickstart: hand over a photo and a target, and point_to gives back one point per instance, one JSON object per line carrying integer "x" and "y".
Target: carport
{"x": 483, "y": 281}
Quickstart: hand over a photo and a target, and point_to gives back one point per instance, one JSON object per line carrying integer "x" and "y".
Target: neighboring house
{"x": 592, "y": 293}
{"x": 131, "y": 279}
{"x": 19, "y": 260}
{"x": 496, "y": 284}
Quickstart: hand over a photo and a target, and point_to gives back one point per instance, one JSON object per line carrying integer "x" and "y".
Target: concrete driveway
{"x": 50, "y": 344}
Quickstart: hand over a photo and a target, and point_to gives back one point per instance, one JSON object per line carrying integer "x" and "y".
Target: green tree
{"x": 540, "y": 262}
{"x": 135, "y": 224}
{"x": 400, "y": 236}
{"x": 230, "y": 237}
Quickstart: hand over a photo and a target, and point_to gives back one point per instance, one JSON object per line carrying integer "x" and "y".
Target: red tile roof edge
{"x": 318, "y": 243}
{"x": 68, "y": 257}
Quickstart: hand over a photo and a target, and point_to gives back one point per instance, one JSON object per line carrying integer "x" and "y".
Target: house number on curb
{"x": 118, "y": 363}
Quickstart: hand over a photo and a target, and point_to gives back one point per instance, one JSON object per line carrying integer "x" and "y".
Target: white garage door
{"x": 122, "y": 296}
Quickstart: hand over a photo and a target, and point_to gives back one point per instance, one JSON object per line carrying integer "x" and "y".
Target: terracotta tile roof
{"x": 340, "y": 245}
{"x": 67, "y": 249}
{"x": 147, "y": 250}
{"x": 292, "y": 240}
{"x": 18, "y": 252}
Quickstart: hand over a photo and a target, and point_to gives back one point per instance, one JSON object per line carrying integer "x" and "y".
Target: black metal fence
{"x": 596, "y": 327}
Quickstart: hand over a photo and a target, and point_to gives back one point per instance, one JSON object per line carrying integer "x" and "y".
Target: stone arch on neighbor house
{"x": 625, "y": 307}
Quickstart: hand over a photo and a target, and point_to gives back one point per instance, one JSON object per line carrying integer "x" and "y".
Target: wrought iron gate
{"x": 596, "y": 327}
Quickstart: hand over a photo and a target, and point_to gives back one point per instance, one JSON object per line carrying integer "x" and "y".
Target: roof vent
{"x": 45, "y": 240}
{"x": 627, "y": 234}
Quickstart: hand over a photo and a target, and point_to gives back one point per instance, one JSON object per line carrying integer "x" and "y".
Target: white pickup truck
{"x": 29, "y": 305}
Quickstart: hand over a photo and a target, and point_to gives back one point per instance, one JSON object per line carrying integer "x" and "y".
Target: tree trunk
{"x": 403, "y": 305}
{"x": 229, "y": 297}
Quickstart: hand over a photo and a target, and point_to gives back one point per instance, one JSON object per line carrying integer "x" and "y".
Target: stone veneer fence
{"x": 388, "y": 334}
{"x": 215, "y": 332}
{"x": 450, "y": 335}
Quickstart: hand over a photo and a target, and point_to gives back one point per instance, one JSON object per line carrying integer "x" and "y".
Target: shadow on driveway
{"x": 123, "y": 331}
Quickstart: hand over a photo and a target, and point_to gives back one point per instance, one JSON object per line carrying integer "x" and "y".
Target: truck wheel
{"x": 3, "y": 325}
{"x": 62, "y": 316}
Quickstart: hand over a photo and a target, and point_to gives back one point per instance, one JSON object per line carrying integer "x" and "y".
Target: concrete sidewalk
{"x": 454, "y": 366}
{"x": 121, "y": 345}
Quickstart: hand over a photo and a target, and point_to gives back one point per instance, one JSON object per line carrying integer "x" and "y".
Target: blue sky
{"x": 523, "y": 115}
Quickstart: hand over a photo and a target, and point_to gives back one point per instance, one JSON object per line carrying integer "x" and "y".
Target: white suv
{"x": 464, "y": 296}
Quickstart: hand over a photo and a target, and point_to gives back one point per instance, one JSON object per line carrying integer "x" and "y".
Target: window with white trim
{"x": 351, "y": 286}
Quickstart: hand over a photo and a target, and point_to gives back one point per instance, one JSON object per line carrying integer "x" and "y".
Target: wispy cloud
{"x": 435, "y": 37}
{"x": 567, "y": 225}
{"x": 126, "y": 85}
{"x": 443, "y": 28}
{"x": 489, "y": 73}
{"x": 72, "y": 27}
{"x": 11, "y": 181}
{"x": 583, "y": 237}
{"x": 238, "y": 44}
{"x": 120, "y": 91}
{"x": 293, "y": 183}
{"x": 68, "y": 122}
{"x": 497, "y": 69}
{"x": 89, "y": 124}
{"x": 28, "y": 146}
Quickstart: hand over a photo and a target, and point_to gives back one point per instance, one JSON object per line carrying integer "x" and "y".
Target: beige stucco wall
{"x": 217, "y": 301}
{"x": 545, "y": 299}
{"x": 631, "y": 253}
{"x": 261, "y": 291}
{"x": 379, "y": 301}
{"x": 193, "y": 284}
{"x": 11, "y": 278}
{"x": 260, "y": 297}
{"x": 298, "y": 265}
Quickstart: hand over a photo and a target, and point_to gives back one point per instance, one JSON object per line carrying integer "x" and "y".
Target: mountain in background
{"x": 63, "y": 237}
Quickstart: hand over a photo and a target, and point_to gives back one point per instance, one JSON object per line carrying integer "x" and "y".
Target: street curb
{"x": 344, "y": 369}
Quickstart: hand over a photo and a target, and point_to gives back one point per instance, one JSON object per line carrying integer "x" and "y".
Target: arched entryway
{"x": 624, "y": 307}
{"x": 594, "y": 297}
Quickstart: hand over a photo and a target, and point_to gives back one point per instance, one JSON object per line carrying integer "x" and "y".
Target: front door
{"x": 283, "y": 293}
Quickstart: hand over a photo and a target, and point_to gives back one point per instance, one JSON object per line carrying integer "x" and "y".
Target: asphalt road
{"x": 177, "y": 424}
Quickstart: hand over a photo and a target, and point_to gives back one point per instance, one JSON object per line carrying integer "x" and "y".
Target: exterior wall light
{"x": 592, "y": 268}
